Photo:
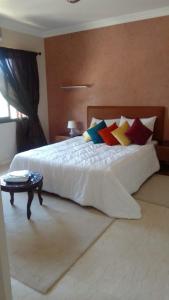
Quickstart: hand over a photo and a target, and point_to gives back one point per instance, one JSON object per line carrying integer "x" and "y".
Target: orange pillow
{"x": 106, "y": 135}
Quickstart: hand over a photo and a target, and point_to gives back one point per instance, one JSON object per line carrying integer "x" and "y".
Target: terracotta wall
{"x": 126, "y": 64}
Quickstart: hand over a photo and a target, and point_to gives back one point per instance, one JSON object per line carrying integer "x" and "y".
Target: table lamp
{"x": 72, "y": 126}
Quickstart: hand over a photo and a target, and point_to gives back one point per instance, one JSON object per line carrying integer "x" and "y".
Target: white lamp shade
{"x": 71, "y": 124}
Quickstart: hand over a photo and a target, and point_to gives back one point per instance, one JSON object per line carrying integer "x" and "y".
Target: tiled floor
{"x": 119, "y": 265}
{"x": 130, "y": 261}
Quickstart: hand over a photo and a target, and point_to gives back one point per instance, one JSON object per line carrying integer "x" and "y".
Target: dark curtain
{"x": 19, "y": 84}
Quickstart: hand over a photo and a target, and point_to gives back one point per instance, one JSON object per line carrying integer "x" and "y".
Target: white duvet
{"x": 93, "y": 174}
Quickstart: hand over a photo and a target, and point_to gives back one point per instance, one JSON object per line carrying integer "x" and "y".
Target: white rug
{"x": 43, "y": 249}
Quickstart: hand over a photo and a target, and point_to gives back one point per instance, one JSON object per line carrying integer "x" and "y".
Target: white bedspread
{"x": 93, "y": 174}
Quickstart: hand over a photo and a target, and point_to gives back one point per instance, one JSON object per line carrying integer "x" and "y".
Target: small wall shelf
{"x": 69, "y": 87}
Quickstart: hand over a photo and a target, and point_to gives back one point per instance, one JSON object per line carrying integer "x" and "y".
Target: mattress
{"x": 94, "y": 175}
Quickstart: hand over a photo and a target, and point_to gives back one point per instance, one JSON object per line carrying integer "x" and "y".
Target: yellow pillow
{"x": 119, "y": 134}
{"x": 86, "y": 136}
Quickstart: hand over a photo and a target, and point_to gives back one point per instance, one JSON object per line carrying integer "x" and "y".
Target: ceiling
{"x": 51, "y": 17}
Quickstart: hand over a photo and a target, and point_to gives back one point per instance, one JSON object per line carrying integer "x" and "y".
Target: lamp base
{"x": 72, "y": 132}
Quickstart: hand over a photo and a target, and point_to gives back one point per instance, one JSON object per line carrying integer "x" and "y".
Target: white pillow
{"x": 154, "y": 142}
{"x": 148, "y": 122}
{"x": 94, "y": 120}
{"x": 111, "y": 121}
{"x": 108, "y": 122}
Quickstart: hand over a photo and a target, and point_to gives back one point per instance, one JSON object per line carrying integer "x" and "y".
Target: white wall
{"x": 5, "y": 285}
{"x": 7, "y": 142}
{"x": 23, "y": 41}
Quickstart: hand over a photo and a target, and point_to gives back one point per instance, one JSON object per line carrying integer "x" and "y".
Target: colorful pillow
{"x": 106, "y": 135}
{"x": 93, "y": 132}
{"x": 148, "y": 122}
{"x": 86, "y": 136}
{"x": 138, "y": 133}
{"x": 119, "y": 134}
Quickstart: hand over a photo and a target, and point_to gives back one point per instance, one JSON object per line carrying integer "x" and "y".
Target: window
{"x": 7, "y": 112}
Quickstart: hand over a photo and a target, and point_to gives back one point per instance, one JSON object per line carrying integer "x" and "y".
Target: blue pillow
{"x": 93, "y": 132}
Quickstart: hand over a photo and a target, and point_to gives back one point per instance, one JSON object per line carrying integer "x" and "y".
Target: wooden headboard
{"x": 110, "y": 112}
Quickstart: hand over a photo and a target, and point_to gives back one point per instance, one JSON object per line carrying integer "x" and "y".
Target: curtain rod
{"x": 6, "y": 48}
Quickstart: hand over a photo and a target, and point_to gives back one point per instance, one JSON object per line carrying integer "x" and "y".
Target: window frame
{"x": 8, "y": 119}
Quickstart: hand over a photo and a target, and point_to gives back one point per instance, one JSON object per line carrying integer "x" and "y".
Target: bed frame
{"x": 110, "y": 112}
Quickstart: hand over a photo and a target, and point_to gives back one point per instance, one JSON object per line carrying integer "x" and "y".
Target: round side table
{"x": 35, "y": 182}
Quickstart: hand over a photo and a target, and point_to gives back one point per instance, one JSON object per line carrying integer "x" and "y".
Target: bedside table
{"x": 163, "y": 156}
{"x": 60, "y": 138}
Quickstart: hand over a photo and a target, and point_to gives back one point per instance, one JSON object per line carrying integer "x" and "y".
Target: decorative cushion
{"x": 93, "y": 132}
{"x": 148, "y": 122}
{"x": 106, "y": 135}
{"x": 138, "y": 133}
{"x": 86, "y": 136}
{"x": 119, "y": 134}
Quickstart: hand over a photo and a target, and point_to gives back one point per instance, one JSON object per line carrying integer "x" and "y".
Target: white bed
{"x": 94, "y": 175}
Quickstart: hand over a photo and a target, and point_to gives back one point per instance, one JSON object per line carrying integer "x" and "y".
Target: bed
{"x": 97, "y": 175}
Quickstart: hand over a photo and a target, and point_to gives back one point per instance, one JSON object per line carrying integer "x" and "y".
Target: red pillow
{"x": 138, "y": 133}
{"x": 106, "y": 135}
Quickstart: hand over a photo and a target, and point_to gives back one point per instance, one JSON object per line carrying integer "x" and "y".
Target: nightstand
{"x": 163, "y": 156}
{"x": 60, "y": 138}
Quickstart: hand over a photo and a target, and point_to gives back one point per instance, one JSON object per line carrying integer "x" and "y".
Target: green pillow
{"x": 93, "y": 132}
